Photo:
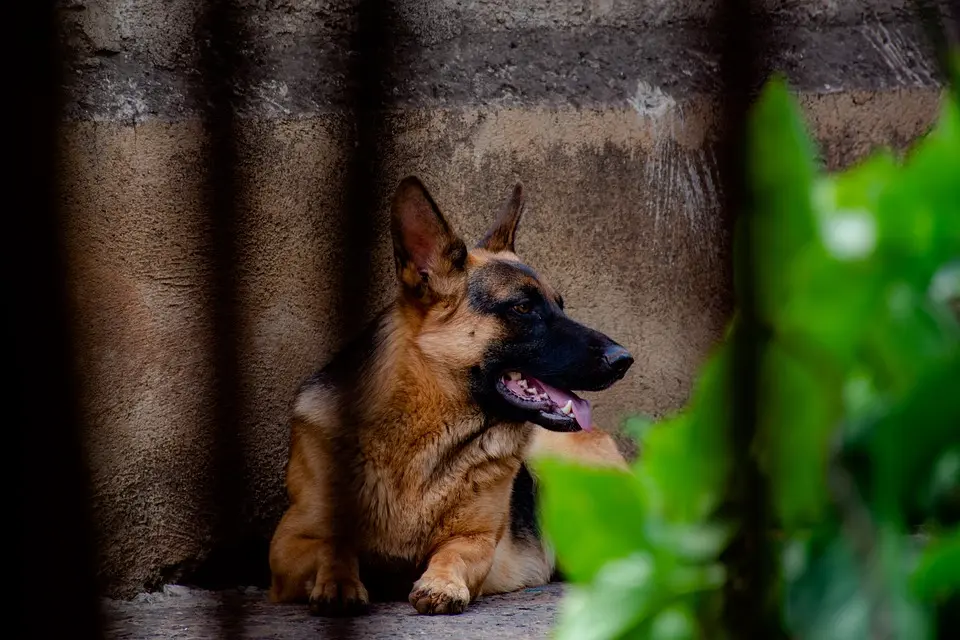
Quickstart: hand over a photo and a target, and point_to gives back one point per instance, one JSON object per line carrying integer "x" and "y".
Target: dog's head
{"x": 490, "y": 315}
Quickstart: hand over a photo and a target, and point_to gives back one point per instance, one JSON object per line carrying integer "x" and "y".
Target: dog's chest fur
{"x": 417, "y": 483}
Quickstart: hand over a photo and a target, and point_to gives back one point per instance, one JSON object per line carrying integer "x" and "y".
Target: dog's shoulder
{"x": 320, "y": 397}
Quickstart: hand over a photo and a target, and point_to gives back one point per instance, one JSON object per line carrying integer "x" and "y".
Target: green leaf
{"x": 627, "y": 593}
{"x": 897, "y": 607}
{"x": 939, "y": 497}
{"x": 920, "y": 227}
{"x": 589, "y": 515}
{"x": 823, "y": 596}
{"x": 906, "y": 443}
{"x": 833, "y": 594}
{"x": 623, "y": 594}
{"x": 945, "y": 287}
{"x": 781, "y": 170}
{"x": 799, "y": 412}
{"x": 832, "y": 283}
{"x": 909, "y": 334}
{"x": 835, "y": 282}
{"x": 675, "y": 623}
{"x": 685, "y": 464}
{"x": 856, "y": 280}
{"x": 693, "y": 544}
{"x": 937, "y": 575}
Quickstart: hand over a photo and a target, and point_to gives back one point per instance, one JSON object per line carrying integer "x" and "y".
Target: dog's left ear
{"x": 429, "y": 255}
{"x": 500, "y": 237}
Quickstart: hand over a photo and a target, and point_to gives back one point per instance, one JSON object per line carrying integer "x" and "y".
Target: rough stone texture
{"x": 295, "y": 60}
{"x": 605, "y": 109}
{"x": 188, "y": 614}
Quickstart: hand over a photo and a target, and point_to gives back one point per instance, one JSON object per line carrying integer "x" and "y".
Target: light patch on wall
{"x": 681, "y": 178}
{"x": 601, "y": 8}
{"x": 275, "y": 325}
{"x": 274, "y": 94}
{"x": 130, "y": 102}
{"x": 651, "y": 102}
{"x": 902, "y": 56}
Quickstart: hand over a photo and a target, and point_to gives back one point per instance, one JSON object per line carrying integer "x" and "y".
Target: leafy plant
{"x": 856, "y": 284}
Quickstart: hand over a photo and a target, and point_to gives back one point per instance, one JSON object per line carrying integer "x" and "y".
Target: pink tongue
{"x": 581, "y": 407}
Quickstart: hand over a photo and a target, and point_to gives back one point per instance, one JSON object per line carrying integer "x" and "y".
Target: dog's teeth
{"x": 530, "y": 390}
{"x": 514, "y": 376}
{"x": 567, "y": 409}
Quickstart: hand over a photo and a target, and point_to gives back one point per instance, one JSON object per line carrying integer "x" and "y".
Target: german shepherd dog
{"x": 470, "y": 370}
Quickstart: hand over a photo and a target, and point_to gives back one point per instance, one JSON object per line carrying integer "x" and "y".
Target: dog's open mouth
{"x": 555, "y": 408}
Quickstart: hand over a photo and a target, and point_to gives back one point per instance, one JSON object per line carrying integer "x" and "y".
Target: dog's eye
{"x": 522, "y": 308}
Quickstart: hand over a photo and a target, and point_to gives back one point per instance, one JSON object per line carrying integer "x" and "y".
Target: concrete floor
{"x": 184, "y": 613}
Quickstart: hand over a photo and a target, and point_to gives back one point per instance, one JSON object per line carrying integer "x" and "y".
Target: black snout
{"x": 618, "y": 359}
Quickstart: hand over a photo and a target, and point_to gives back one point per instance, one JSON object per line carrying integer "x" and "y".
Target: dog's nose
{"x": 618, "y": 359}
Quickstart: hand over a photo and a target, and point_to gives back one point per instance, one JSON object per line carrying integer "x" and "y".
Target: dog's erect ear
{"x": 427, "y": 251}
{"x": 500, "y": 237}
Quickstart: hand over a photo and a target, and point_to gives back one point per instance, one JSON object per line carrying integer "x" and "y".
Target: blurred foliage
{"x": 856, "y": 283}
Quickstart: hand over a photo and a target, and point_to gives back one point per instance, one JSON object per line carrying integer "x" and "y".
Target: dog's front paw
{"x": 339, "y": 598}
{"x": 432, "y": 595}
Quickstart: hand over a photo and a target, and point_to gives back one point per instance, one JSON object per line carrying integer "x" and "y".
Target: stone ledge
{"x": 188, "y": 614}
{"x": 597, "y": 67}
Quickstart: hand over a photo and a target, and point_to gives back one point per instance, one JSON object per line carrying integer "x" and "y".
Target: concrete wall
{"x": 606, "y": 109}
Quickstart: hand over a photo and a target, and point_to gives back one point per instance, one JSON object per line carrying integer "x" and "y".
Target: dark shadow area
{"x": 371, "y": 56}
{"x": 242, "y": 562}
{"x": 749, "y": 559}
{"x": 942, "y": 26}
{"x": 241, "y": 559}
{"x": 222, "y": 38}
{"x": 369, "y": 97}
{"x": 54, "y": 582}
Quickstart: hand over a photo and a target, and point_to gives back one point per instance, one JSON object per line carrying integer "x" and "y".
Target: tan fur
{"x": 518, "y": 564}
{"x": 425, "y": 492}
{"x": 525, "y": 562}
{"x": 408, "y": 478}
{"x": 594, "y": 448}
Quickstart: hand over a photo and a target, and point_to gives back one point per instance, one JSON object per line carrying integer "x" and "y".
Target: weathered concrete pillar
{"x": 605, "y": 109}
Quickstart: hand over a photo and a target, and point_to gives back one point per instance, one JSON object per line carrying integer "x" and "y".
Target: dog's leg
{"x": 454, "y": 574}
{"x": 519, "y": 562}
{"x": 293, "y": 559}
{"x": 337, "y": 590}
{"x": 304, "y": 567}
{"x": 304, "y": 560}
